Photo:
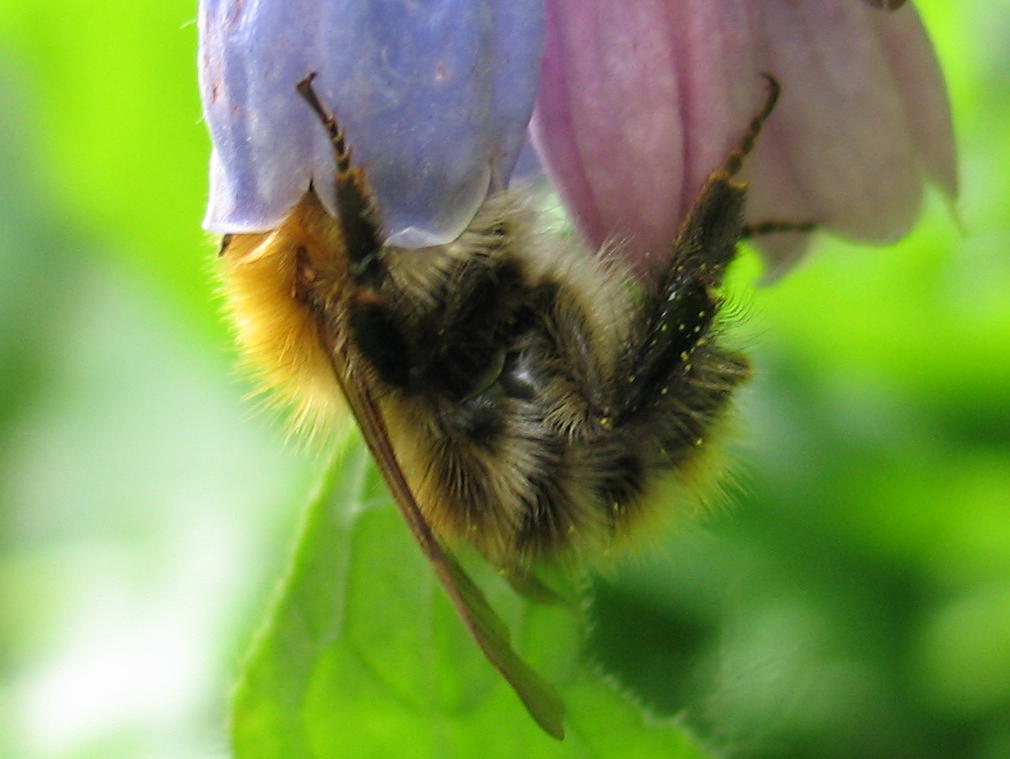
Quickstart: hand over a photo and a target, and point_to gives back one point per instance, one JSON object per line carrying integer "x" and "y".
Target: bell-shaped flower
{"x": 636, "y": 103}
{"x": 640, "y": 101}
{"x": 434, "y": 96}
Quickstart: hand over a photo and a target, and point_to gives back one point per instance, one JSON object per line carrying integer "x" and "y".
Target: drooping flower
{"x": 636, "y": 103}
{"x": 434, "y": 96}
{"x": 640, "y": 101}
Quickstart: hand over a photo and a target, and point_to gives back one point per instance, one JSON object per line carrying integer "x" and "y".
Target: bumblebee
{"x": 527, "y": 398}
{"x": 524, "y": 395}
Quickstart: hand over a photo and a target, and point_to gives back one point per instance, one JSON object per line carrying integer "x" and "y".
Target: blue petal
{"x": 434, "y": 98}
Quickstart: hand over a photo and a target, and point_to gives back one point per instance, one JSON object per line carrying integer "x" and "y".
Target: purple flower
{"x": 434, "y": 96}
{"x": 636, "y": 102}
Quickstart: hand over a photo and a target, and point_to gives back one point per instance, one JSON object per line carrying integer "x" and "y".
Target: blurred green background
{"x": 854, "y": 602}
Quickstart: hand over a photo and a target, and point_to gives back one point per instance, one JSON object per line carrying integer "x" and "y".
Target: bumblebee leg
{"x": 375, "y": 329}
{"x": 774, "y": 226}
{"x": 440, "y": 340}
{"x": 734, "y": 161}
{"x": 678, "y": 315}
{"x": 359, "y": 220}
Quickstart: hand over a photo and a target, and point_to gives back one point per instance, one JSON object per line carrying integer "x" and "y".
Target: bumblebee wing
{"x": 484, "y": 624}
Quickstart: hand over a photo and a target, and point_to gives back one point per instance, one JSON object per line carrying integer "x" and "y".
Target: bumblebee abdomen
{"x": 502, "y": 474}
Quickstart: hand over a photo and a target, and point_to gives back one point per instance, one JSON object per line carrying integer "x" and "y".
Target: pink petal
{"x": 919, "y": 80}
{"x": 634, "y": 111}
{"x": 596, "y": 119}
{"x": 863, "y": 121}
{"x": 640, "y": 101}
{"x": 840, "y": 128}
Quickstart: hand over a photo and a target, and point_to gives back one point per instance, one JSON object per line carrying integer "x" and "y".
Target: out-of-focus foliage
{"x": 854, "y": 601}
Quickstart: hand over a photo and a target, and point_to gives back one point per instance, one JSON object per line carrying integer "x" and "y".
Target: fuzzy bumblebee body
{"x": 528, "y": 398}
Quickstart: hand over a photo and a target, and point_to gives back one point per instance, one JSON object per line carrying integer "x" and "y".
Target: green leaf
{"x": 364, "y": 656}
